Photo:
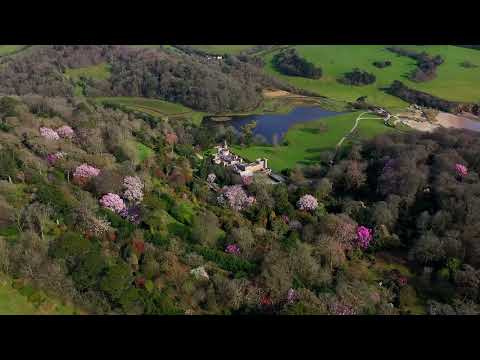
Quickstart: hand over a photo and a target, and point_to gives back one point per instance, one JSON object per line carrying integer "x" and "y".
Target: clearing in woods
{"x": 154, "y": 107}
{"x": 222, "y": 49}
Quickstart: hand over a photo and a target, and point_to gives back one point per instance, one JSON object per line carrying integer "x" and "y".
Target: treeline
{"x": 424, "y": 99}
{"x": 290, "y": 63}
{"x": 234, "y": 84}
{"x": 419, "y": 192}
{"x": 40, "y": 69}
{"x": 427, "y": 65}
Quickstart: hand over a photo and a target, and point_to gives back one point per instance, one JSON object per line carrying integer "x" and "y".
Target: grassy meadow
{"x": 154, "y": 107}
{"x": 452, "y": 83}
{"x": 97, "y": 72}
{"x": 307, "y": 140}
{"x": 10, "y": 49}
{"x": 223, "y": 49}
{"x": 24, "y": 300}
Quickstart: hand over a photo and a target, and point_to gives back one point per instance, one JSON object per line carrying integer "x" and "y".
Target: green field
{"x": 22, "y": 301}
{"x": 97, "y": 72}
{"x": 10, "y": 49}
{"x": 223, "y": 49}
{"x": 155, "y": 107}
{"x": 452, "y": 83}
{"x": 306, "y": 141}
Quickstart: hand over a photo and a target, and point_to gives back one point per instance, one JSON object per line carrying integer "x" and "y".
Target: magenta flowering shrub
{"x": 133, "y": 189}
{"x": 53, "y": 158}
{"x": 86, "y": 171}
{"x": 307, "y": 203}
{"x": 113, "y": 202}
{"x": 461, "y": 170}
{"x": 292, "y": 296}
{"x": 232, "y": 249}
{"x": 49, "y": 134}
{"x": 65, "y": 132}
{"x": 235, "y": 197}
{"x": 364, "y": 237}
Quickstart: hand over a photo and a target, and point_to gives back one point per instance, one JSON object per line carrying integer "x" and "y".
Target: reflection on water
{"x": 270, "y": 124}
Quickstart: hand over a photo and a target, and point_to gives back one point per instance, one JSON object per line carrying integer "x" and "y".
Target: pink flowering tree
{"x": 113, "y": 202}
{"x": 133, "y": 189}
{"x": 461, "y": 170}
{"x": 235, "y": 197}
{"x": 65, "y": 132}
{"x": 232, "y": 249}
{"x": 49, "y": 134}
{"x": 364, "y": 237}
{"x": 86, "y": 171}
{"x": 307, "y": 203}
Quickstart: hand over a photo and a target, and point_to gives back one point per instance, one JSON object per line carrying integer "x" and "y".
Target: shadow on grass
{"x": 321, "y": 129}
{"x": 317, "y": 149}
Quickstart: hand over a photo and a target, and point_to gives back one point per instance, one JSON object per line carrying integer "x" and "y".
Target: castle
{"x": 224, "y": 157}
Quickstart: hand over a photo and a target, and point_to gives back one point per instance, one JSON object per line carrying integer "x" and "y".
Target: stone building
{"x": 224, "y": 157}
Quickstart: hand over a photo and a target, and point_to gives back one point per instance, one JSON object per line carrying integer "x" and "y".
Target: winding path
{"x": 357, "y": 121}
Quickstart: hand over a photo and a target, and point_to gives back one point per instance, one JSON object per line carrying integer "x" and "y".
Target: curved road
{"x": 357, "y": 121}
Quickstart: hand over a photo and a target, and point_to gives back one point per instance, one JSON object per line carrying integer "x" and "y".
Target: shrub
{"x": 358, "y": 77}
{"x": 226, "y": 261}
{"x": 70, "y": 246}
{"x": 382, "y": 64}
{"x": 118, "y": 278}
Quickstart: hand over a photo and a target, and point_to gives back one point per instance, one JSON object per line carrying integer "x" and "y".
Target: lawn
{"x": 97, "y": 72}
{"x": 223, "y": 49}
{"x": 306, "y": 141}
{"x": 453, "y": 82}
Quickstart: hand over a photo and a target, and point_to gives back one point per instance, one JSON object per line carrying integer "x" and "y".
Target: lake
{"x": 270, "y": 124}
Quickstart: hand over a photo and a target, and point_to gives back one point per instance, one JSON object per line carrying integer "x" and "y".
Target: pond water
{"x": 270, "y": 124}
